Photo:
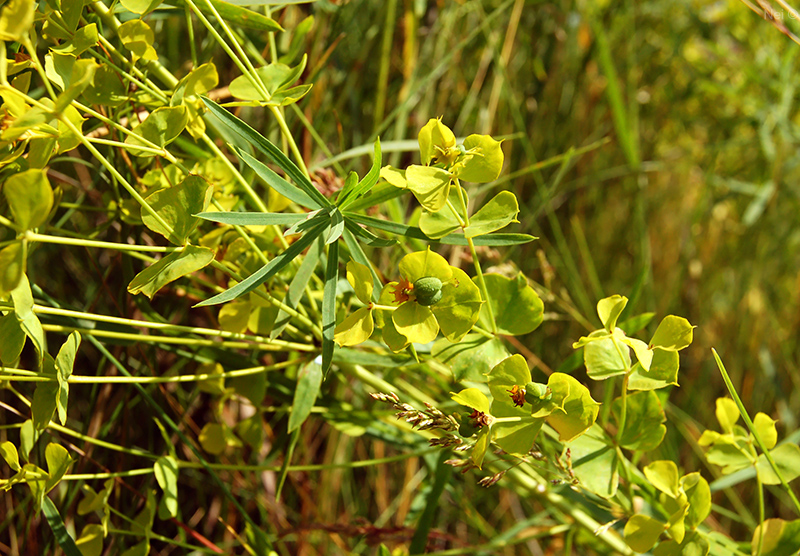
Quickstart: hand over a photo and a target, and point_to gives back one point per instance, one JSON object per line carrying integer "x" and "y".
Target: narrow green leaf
{"x": 297, "y": 287}
{"x": 276, "y": 182}
{"x": 427, "y": 518}
{"x": 379, "y": 194}
{"x": 267, "y": 271}
{"x": 329, "y": 306}
{"x": 309, "y": 381}
{"x": 262, "y": 144}
{"x": 175, "y": 265}
{"x": 336, "y": 227}
{"x": 369, "y": 180}
{"x": 253, "y": 218}
{"x": 359, "y": 256}
{"x": 236, "y": 15}
{"x": 367, "y": 237}
{"x": 492, "y": 240}
{"x": 56, "y": 524}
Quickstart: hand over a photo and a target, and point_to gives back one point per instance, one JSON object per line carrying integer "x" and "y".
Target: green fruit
{"x": 536, "y": 392}
{"x": 428, "y": 290}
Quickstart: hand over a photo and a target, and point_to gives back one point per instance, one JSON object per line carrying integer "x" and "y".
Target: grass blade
{"x": 55, "y": 522}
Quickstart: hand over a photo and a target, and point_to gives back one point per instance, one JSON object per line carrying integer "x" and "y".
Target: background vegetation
{"x": 670, "y": 132}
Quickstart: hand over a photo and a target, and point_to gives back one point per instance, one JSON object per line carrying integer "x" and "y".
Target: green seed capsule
{"x": 428, "y": 290}
{"x": 536, "y": 392}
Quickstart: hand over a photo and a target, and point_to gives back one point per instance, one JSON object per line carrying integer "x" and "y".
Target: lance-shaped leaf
{"x": 351, "y": 194}
{"x": 309, "y": 381}
{"x": 297, "y": 287}
{"x": 329, "y": 306}
{"x": 234, "y": 14}
{"x": 253, "y": 218}
{"x": 263, "y": 145}
{"x": 276, "y": 182}
{"x": 268, "y": 270}
{"x": 168, "y": 269}
{"x": 493, "y": 240}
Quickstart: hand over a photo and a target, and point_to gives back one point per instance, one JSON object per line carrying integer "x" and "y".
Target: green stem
{"x": 482, "y": 284}
{"x": 21, "y": 375}
{"x": 272, "y": 345}
{"x": 754, "y": 432}
{"x": 42, "y": 238}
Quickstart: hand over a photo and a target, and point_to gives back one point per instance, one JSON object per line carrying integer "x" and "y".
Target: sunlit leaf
{"x": 161, "y": 127}
{"x": 484, "y": 160}
{"x": 517, "y": 308}
{"x": 642, "y": 532}
{"x": 168, "y": 269}
{"x": 673, "y": 334}
{"x": 355, "y": 329}
{"x": 495, "y": 215}
{"x": 176, "y": 206}
{"x": 166, "y": 472}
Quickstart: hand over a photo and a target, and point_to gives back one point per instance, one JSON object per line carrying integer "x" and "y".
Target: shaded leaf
{"x": 29, "y": 197}
{"x": 309, "y": 381}
{"x": 166, "y": 472}
{"x": 177, "y": 206}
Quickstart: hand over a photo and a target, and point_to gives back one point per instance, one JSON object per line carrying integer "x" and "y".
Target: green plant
{"x": 201, "y": 209}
